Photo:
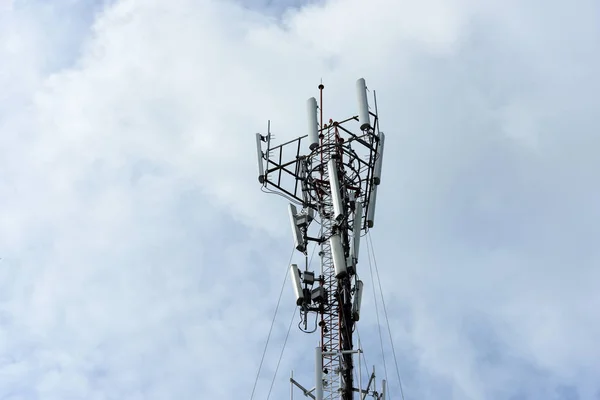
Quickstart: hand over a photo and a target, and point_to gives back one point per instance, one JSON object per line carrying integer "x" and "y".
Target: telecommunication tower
{"x": 332, "y": 173}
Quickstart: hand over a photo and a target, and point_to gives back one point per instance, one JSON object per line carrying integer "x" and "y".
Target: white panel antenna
{"x": 372, "y": 202}
{"x": 337, "y": 252}
{"x": 313, "y": 124}
{"x": 357, "y": 300}
{"x": 358, "y": 214}
{"x": 261, "y": 168}
{"x": 363, "y": 105}
{"x": 298, "y": 239}
{"x": 379, "y": 161}
{"x": 338, "y": 208}
{"x": 295, "y": 272}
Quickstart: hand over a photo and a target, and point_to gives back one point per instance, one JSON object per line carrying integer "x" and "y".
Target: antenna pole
{"x": 330, "y": 172}
{"x": 321, "y": 87}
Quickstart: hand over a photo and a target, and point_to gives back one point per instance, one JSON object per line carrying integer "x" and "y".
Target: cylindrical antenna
{"x": 334, "y": 183}
{"x": 379, "y": 160}
{"x": 383, "y": 389}
{"x": 357, "y": 300}
{"x": 337, "y": 253}
{"x": 318, "y": 374}
{"x": 298, "y": 239}
{"x": 261, "y": 168}
{"x": 372, "y": 201}
{"x": 313, "y": 124}
{"x": 296, "y": 281}
{"x": 363, "y": 105}
{"x": 358, "y": 214}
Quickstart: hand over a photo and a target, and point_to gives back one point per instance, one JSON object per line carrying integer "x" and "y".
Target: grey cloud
{"x": 140, "y": 260}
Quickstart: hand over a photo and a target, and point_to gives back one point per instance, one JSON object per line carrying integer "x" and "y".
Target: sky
{"x": 140, "y": 260}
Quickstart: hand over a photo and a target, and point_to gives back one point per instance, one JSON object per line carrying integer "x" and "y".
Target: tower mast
{"x": 333, "y": 173}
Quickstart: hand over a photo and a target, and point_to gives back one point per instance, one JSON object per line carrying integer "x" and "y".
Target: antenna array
{"x": 333, "y": 174}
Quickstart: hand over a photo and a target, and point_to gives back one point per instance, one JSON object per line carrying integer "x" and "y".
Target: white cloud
{"x": 140, "y": 260}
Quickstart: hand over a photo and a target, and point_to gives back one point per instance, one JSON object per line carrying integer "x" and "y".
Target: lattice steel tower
{"x": 333, "y": 174}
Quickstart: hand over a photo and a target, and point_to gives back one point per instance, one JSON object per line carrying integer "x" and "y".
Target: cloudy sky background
{"x": 141, "y": 261}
